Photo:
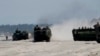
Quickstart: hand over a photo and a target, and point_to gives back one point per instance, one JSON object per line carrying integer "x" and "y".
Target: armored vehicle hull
{"x": 84, "y": 34}
{"x": 18, "y": 35}
{"x": 87, "y": 34}
{"x": 41, "y": 35}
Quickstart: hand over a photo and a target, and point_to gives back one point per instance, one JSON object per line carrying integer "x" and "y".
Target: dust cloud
{"x": 63, "y": 31}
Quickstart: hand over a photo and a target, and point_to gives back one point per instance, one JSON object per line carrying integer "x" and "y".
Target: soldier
{"x": 37, "y": 33}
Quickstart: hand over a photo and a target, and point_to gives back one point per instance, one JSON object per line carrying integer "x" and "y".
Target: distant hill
{"x": 12, "y": 28}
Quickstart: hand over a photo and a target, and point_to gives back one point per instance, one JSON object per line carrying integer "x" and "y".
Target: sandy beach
{"x": 53, "y": 48}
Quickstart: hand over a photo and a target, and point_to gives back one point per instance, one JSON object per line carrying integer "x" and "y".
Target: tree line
{"x": 12, "y": 28}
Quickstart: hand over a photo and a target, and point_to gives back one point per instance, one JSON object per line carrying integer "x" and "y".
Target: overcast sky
{"x": 39, "y": 11}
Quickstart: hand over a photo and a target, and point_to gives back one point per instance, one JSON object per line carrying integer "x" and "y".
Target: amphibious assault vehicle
{"x": 87, "y": 34}
{"x": 18, "y": 35}
{"x": 43, "y": 34}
